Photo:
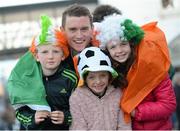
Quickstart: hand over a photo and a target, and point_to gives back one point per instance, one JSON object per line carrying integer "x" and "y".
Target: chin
{"x": 79, "y": 49}
{"x": 99, "y": 91}
{"x": 122, "y": 60}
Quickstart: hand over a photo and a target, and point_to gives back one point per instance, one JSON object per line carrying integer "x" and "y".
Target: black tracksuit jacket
{"x": 58, "y": 89}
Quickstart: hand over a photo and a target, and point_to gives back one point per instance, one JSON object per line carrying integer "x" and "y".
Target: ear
{"x": 36, "y": 57}
{"x": 63, "y": 58}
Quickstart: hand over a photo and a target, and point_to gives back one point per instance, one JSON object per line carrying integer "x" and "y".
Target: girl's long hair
{"x": 123, "y": 68}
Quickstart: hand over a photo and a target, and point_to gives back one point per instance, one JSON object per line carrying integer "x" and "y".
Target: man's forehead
{"x": 77, "y": 21}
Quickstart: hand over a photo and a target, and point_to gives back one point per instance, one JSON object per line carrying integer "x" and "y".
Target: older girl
{"x": 141, "y": 55}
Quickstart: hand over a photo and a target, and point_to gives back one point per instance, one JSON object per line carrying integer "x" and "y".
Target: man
{"x": 78, "y": 28}
{"x": 104, "y": 10}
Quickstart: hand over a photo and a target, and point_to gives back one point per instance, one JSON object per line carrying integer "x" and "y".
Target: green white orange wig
{"x": 49, "y": 35}
{"x": 119, "y": 28}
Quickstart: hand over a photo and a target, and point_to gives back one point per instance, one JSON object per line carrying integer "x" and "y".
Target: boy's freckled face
{"x": 50, "y": 56}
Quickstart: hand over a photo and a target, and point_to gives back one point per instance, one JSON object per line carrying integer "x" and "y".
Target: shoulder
{"x": 78, "y": 95}
{"x": 165, "y": 82}
{"x": 115, "y": 91}
{"x": 70, "y": 74}
{"x": 80, "y": 91}
{"x": 165, "y": 87}
{"x": 118, "y": 89}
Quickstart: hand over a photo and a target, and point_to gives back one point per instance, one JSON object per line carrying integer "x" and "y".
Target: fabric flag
{"x": 150, "y": 68}
{"x": 25, "y": 85}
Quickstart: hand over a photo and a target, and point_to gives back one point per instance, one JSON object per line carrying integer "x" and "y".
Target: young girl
{"x": 39, "y": 86}
{"x": 95, "y": 105}
{"x": 141, "y": 55}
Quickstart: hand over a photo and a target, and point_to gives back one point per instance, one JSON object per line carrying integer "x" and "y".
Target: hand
{"x": 41, "y": 116}
{"x": 133, "y": 113}
{"x": 57, "y": 117}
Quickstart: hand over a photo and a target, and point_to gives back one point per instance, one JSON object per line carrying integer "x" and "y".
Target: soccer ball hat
{"x": 93, "y": 59}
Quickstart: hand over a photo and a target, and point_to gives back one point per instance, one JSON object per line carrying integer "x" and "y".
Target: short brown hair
{"x": 76, "y": 10}
{"x": 104, "y": 10}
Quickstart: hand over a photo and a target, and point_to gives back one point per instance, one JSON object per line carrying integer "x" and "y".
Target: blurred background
{"x": 19, "y": 22}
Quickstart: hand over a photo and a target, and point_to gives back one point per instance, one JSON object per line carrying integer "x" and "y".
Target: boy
{"x": 45, "y": 107}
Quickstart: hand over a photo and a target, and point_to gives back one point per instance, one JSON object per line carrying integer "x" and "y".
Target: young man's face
{"x": 98, "y": 81}
{"x": 78, "y": 31}
{"x": 50, "y": 57}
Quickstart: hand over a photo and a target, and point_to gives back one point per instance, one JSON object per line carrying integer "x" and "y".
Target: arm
{"x": 67, "y": 118}
{"x": 78, "y": 120}
{"x": 26, "y": 117}
{"x": 163, "y": 106}
{"x": 67, "y": 114}
{"x": 31, "y": 119}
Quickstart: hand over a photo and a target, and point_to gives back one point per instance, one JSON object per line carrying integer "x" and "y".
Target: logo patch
{"x": 63, "y": 91}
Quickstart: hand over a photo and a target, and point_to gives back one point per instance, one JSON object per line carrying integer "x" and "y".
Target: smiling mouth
{"x": 79, "y": 42}
{"x": 121, "y": 56}
{"x": 99, "y": 87}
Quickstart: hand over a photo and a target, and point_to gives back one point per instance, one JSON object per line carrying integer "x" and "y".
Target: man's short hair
{"x": 104, "y": 10}
{"x": 77, "y": 11}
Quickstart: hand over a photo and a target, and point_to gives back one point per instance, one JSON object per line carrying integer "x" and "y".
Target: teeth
{"x": 121, "y": 55}
{"x": 79, "y": 41}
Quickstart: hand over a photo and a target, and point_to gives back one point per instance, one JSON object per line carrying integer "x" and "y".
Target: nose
{"x": 119, "y": 48}
{"x": 79, "y": 34}
{"x": 98, "y": 80}
{"x": 50, "y": 55}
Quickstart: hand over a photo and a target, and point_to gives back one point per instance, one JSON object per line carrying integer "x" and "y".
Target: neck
{"x": 99, "y": 95}
{"x": 74, "y": 52}
{"x": 49, "y": 72}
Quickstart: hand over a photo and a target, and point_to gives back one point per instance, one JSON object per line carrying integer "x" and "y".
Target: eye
{"x": 44, "y": 52}
{"x": 92, "y": 77}
{"x": 56, "y": 51}
{"x": 72, "y": 30}
{"x": 124, "y": 43}
{"x": 104, "y": 74}
{"x": 84, "y": 29}
{"x": 112, "y": 47}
